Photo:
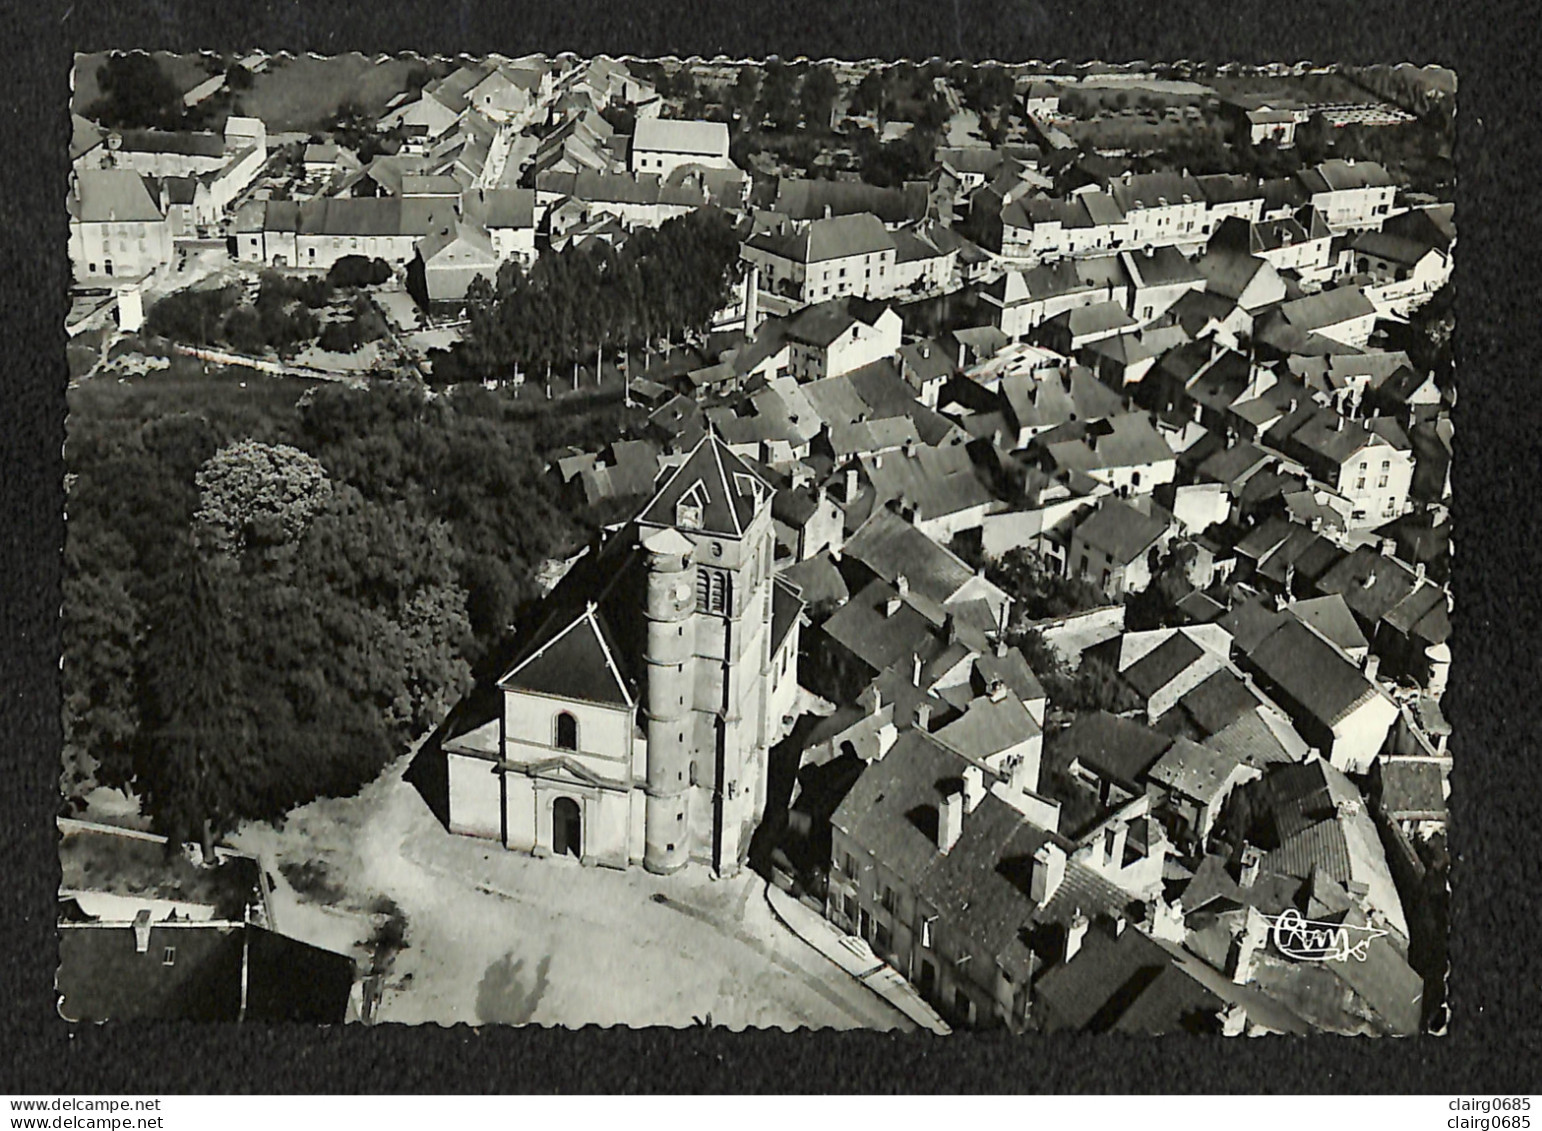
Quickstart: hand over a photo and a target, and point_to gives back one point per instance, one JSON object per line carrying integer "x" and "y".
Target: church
{"x": 635, "y": 723}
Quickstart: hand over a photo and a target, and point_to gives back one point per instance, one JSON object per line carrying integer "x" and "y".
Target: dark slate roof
{"x": 1107, "y": 979}
{"x": 1119, "y": 749}
{"x": 1331, "y": 617}
{"x": 891, "y": 547}
{"x": 1249, "y": 623}
{"x": 809, "y": 199}
{"x": 1163, "y": 664}
{"x": 893, "y": 809}
{"x": 867, "y": 630}
{"x": 1121, "y": 531}
{"x": 292, "y": 981}
{"x": 574, "y": 659}
{"x": 786, "y": 608}
{"x": 988, "y": 727}
{"x": 103, "y": 977}
{"x": 836, "y": 238}
{"x": 1218, "y": 701}
{"x": 817, "y": 580}
{"x": 724, "y": 485}
{"x": 1311, "y": 672}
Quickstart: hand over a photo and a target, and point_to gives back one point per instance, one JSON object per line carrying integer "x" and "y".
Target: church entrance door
{"x": 567, "y": 834}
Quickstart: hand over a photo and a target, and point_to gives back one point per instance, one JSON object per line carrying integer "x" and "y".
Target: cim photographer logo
{"x": 1308, "y": 940}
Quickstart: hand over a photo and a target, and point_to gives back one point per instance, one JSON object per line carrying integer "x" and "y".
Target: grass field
{"x": 303, "y": 92}
{"x": 187, "y": 71}
{"x": 185, "y": 387}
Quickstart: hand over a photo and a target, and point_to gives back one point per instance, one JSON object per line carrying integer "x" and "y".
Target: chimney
{"x": 950, "y": 821}
{"x": 1075, "y": 932}
{"x": 974, "y": 788}
{"x": 902, "y": 585}
{"x": 998, "y": 690}
{"x": 1252, "y": 861}
{"x": 1372, "y": 666}
{"x": 142, "y": 931}
{"x": 1115, "y": 836}
{"x": 915, "y": 671}
{"x": 1418, "y": 572}
{"x": 1389, "y": 547}
{"x": 924, "y": 715}
{"x": 1048, "y": 872}
{"x": 851, "y": 484}
{"x": 877, "y": 701}
{"x": 892, "y": 607}
{"x": 1001, "y": 648}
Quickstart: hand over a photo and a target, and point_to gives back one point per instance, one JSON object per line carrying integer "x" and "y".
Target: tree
{"x": 1038, "y": 594}
{"x": 254, "y": 494}
{"x": 136, "y": 94}
{"x": 193, "y": 756}
{"x": 868, "y": 97}
{"x": 817, "y": 93}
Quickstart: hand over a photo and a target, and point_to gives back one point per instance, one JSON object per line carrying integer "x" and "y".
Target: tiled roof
{"x": 1331, "y": 617}
{"x": 1194, "y": 771}
{"x": 1163, "y": 664}
{"x": 1412, "y": 789}
{"x": 1120, "y": 531}
{"x": 665, "y": 135}
{"x": 836, "y": 238}
{"x": 1116, "y": 748}
{"x": 116, "y": 196}
{"x": 1260, "y": 738}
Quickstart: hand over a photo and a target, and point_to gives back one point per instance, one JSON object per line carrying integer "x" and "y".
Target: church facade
{"x": 635, "y": 724}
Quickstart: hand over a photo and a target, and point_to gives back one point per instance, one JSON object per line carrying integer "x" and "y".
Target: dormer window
{"x": 688, "y": 511}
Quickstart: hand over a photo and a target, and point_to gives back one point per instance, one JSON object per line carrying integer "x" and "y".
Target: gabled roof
{"x": 576, "y": 661}
{"x": 1121, "y": 531}
{"x": 891, "y": 547}
{"x": 665, "y": 135}
{"x": 1311, "y": 672}
{"x": 1218, "y": 701}
{"x": 1340, "y": 175}
{"x": 728, "y": 491}
{"x": 113, "y": 196}
{"x": 803, "y": 199}
{"x": 1331, "y": 617}
{"x": 1194, "y": 771}
{"x": 1163, "y": 664}
{"x": 1152, "y": 190}
{"x": 988, "y": 727}
{"x": 838, "y": 237}
{"x": 1119, "y": 749}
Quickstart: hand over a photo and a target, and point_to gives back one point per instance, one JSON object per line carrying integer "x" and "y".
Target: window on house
{"x": 849, "y": 906}
{"x": 566, "y": 728}
{"x": 882, "y": 937}
{"x": 890, "y": 900}
{"x": 169, "y": 956}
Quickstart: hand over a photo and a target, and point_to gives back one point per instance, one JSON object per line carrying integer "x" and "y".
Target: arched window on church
{"x": 567, "y": 731}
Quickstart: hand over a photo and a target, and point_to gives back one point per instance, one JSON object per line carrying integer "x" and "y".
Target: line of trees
{"x": 661, "y": 284}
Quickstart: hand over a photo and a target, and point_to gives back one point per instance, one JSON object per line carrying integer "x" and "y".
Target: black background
{"x": 1494, "y": 1039}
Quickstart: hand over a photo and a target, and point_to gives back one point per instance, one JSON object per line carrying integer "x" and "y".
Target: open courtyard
{"x": 496, "y": 937}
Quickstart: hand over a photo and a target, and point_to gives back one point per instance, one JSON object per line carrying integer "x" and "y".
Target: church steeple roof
{"x": 713, "y": 491}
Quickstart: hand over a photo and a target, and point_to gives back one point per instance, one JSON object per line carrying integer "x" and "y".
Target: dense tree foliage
{"x": 137, "y": 93}
{"x": 253, "y": 495}
{"x": 249, "y": 625}
{"x": 660, "y": 284}
{"x": 1037, "y": 593}
{"x": 1094, "y": 685}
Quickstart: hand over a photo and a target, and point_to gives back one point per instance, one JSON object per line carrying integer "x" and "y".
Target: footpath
{"x": 855, "y": 957}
